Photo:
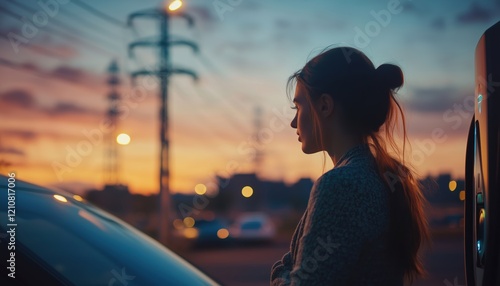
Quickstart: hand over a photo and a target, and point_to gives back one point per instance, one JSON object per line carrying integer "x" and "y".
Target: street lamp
{"x": 123, "y": 139}
{"x": 174, "y": 5}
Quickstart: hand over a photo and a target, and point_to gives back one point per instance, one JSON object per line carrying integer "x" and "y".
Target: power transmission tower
{"x": 257, "y": 139}
{"x": 165, "y": 70}
{"x": 111, "y": 164}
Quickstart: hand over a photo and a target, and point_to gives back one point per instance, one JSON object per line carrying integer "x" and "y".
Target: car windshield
{"x": 251, "y": 225}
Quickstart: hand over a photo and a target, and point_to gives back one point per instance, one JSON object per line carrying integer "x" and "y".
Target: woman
{"x": 364, "y": 223}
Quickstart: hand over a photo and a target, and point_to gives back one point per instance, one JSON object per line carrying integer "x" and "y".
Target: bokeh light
{"x": 247, "y": 191}
{"x": 452, "y": 185}
{"x": 190, "y": 233}
{"x": 78, "y": 198}
{"x": 178, "y": 224}
{"x": 222, "y": 233}
{"x": 200, "y": 189}
{"x": 189, "y": 221}
{"x": 60, "y": 198}
{"x": 123, "y": 139}
{"x": 176, "y": 4}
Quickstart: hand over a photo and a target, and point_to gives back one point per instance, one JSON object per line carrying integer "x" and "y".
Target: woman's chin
{"x": 308, "y": 150}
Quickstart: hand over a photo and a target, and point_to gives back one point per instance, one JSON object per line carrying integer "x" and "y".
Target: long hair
{"x": 366, "y": 96}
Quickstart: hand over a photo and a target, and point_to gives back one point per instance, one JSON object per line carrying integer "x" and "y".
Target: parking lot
{"x": 250, "y": 265}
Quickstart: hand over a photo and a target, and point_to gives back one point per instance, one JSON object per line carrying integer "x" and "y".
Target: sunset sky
{"x": 53, "y": 84}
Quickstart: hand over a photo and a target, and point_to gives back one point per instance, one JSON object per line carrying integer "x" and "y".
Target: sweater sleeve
{"x": 280, "y": 273}
{"x": 334, "y": 233}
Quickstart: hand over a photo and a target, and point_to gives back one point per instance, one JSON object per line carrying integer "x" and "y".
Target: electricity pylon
{"x": 111, "y": 163}
{"x": 165, "y": 70}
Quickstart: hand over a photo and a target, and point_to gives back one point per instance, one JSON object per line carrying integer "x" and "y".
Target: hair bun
{"x": 391, "y": 76}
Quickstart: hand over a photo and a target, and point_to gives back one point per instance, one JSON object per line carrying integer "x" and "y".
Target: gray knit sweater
{"x": 342, "y": 237}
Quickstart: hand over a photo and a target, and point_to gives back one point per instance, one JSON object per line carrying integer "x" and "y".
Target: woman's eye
{"x": 294, "y": 107}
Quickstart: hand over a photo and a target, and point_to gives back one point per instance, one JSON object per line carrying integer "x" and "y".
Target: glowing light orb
{"x": 123, "y": 139}
{"x": 200, "y": 189}
{"x": 176, "y": 4}
{"x": 247, "y": 191}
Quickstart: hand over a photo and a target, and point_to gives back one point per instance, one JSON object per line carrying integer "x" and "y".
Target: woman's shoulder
{"x": 351, "y": 180}
{"x": 355, "y": 173}
{"x": 345, "y": 190}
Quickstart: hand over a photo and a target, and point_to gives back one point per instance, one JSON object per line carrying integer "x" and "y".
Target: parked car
{"x": 207, "y": 233}
{"x": 253, "y": 227}
{"x": 59, "y": 239}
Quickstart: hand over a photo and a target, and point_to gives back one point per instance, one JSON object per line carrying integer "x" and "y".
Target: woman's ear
{"x": 326, "y": 105}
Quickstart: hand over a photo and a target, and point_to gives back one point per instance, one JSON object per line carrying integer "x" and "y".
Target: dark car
{"x": 51, "y": 237}
{"x": 253, "y": 227}
{"x": 208, "y": 233}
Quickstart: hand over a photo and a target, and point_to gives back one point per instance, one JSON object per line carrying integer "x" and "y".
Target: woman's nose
{"x": 293, "y": 124}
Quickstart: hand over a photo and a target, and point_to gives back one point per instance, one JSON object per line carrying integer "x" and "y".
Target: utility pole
{"x": 257, "y": 124}
{"x": 111, "y": 164}
{"x": 164, "y": 71}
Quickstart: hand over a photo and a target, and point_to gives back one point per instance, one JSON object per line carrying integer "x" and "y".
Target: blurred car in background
{"x": 252, "y": 228}
{"x": 206, "y": 233}
{"x": 59, "y": 239}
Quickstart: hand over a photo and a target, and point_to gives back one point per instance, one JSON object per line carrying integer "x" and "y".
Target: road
{"x": 250, "y": 265}
{"x": 445, "y": 262}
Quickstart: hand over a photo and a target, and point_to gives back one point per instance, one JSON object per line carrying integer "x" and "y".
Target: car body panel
{"x": 88, "y": 246}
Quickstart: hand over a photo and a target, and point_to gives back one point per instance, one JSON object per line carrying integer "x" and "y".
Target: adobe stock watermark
{"x": 455, "y": 117}
{"x": 322, "y": 252}
{"x": 247, "y": 148}
{"x": 120, "y": 278}
{"x": 423, "y": 149}
{"x": 223, "y": 6}
{"x": 324, "y": 249}
{"x": 31, "y": 26}
{"x": 461, "y": 113}
{"x": 373, "y": 28}
{"x": 381, "y": 19}
{"x": 74, "y": 155}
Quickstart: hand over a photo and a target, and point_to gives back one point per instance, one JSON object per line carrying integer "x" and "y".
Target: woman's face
{"x": 304, "y": 121}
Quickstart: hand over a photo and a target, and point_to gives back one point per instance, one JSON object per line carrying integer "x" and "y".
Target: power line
{"x": 36, "y": 48}
{"x": 89, "y": 24}
{"x": 227, "y": 82}
{"x": 165, "y": 71}
{"x": 38, "y": 73}
{"x": 106, "y": 17}
{"x": 100, "y": 14}
{"x": 205, "y": 61}
{"x": 60, "y": 23}
{"x": 21, "y": 67}
{"x": 203, "y": 119}
{"x": 59, "y": 30}
{"x": 56, "y": 32}
{"x": 229, "y": 104}
{"x": 233, "y": 121}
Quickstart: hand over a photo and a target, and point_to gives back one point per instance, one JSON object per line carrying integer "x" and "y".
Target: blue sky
{"x": 246, "y": 55}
